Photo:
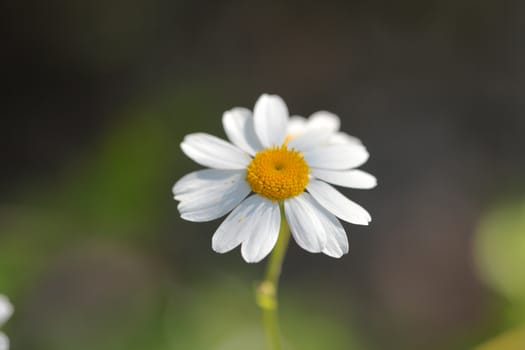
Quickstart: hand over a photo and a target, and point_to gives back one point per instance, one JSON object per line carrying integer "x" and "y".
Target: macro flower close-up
{"x": 224, "y": 175}
{"x": 275, "y": 165}
{"x": 6, "y": 310}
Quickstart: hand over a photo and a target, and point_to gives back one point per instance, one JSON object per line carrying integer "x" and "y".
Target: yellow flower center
{"x": 277, "y": 173}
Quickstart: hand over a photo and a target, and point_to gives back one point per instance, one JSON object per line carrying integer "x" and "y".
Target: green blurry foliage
{"x": 121, "y": 188}
{"x": 223, "y": 316}
{"x": 500, "y": 251}
{"x": 511, "y": 340}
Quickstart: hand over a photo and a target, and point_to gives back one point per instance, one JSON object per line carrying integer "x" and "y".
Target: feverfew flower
{"x": 275, "y": 160}
{"x": 6, "y": 310}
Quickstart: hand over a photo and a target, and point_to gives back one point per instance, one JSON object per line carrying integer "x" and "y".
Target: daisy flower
{"x": 274, "y": 165}
{"x": 6, "y": 310}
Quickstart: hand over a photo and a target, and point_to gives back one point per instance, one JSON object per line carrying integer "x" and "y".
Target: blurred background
{"x": 97, "y": 95}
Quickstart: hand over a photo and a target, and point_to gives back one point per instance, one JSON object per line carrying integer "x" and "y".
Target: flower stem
{"x": 267, "y": 289}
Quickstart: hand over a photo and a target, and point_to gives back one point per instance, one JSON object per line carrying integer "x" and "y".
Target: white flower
{"x": 280, "y": 160}
{"x": 6, "y": 310}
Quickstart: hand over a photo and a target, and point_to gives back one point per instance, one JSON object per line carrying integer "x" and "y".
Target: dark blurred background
{"x": 97, "y": 95}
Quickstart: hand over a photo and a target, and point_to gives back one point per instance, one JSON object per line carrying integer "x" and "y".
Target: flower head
{"x": 6, "y": 310}
{"x": 274, "y": 160}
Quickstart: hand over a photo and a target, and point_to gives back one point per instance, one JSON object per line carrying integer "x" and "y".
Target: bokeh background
{"x": 97, "y": 96}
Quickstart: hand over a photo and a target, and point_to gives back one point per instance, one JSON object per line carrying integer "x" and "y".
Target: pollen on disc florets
{"x": 277, "y": 173}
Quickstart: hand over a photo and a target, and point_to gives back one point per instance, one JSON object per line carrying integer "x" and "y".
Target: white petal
{"x": 4, "y": 342}
{"x": 270, "y": 118}
{"x": 6, "y": 309}
{"x": 209, "y": 194}
{"x": 306, "y": 224}
{"x": 309, "y": 139}
{"x": 337, "y": 203}
{"x": 213, "y": 152}
{"x": 342, "y": 138}
{"x": 324, "y": 120}
{"x": 264, "y": 233}
{"x": 238, "y": 125}
{"x": 255, "y": 222}
{"x": 337, "y": 157}
{"x": 319, "y": 128}
{"x": 336, "y": 244}
{"x": 346, "y": 178}
{"x": 296, "y": 125}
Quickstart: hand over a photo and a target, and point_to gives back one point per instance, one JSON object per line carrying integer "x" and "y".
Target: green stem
{"x": 267, "y": 289}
